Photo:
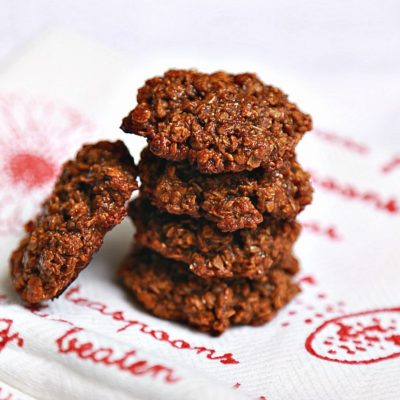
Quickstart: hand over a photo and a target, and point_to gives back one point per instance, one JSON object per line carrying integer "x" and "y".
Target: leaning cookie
{"x": 232, "y": 201}
{"x": 206, "y": 250}
{"x": 218, "y": 122}
{"x": 169, "y": 291}
{"x": 87, "y": 201}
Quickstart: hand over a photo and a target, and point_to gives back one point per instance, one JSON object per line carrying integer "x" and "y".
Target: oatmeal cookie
{"x": 218, "y": 122}
{"x": 87, "y": 201}
{"x": 169, "y": 291}
{"x": 232, "y": 200}
{"x": 206, "y": 250}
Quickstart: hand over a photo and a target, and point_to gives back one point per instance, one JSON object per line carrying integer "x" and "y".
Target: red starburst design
{"x": 36, "y": 137}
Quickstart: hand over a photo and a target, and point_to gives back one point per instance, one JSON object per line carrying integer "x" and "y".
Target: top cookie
{"x": 219, "y": 122}
{"x": 87, "y": 201}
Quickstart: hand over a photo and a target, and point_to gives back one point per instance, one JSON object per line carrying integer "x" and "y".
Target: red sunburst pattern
{"x": 36, "y": 137}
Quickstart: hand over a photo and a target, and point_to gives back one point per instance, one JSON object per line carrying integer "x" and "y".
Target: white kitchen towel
{"x": 338, "y": 339}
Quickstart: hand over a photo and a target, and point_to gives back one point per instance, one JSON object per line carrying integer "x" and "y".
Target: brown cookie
{"x": 87, "y": 201}
{"x": 218, "y": 122}
{"x": 232, "y": 201}
{"x": 208, "y": 251}
{"x": 168, "y": 290}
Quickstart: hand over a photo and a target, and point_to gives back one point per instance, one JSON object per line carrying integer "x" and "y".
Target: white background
{"x": 345, "y": 55}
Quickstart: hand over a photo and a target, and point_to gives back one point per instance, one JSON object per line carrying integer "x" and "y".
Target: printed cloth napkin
{"x": 338, "y": 339}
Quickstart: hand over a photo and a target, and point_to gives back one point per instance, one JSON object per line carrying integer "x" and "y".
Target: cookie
{"x": 206, "y": 250}
{"x": 232, "y": 201}
{"x": 87, "y": 201}
{"x": 218, "y": 122}
{"x": 168, "y": 290}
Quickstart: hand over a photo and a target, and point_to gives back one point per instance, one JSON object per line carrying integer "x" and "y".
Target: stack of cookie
{"x": 221, "y": 188}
